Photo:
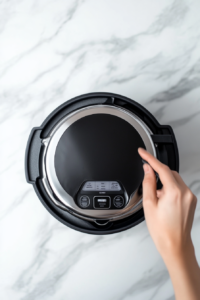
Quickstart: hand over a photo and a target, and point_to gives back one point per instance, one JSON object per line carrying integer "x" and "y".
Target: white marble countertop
{"x": 51, "y": 51}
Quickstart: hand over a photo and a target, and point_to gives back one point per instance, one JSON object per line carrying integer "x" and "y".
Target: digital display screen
{"x": 101, "y": 202}
{"x": 101, "y": 186}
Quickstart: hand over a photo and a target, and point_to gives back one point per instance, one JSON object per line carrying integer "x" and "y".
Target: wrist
{"x": 184, "y": 272}
{"x": 179, "y": 255}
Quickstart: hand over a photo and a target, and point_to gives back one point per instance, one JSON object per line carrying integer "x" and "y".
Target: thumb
{"x": 149, "y": 185}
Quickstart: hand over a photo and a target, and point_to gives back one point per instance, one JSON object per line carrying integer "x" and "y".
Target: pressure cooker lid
{"x": 84, "y": 165}
{"x": 97, "y": 146}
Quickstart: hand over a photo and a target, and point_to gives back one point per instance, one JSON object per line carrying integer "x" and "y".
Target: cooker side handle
{"x": 32, "y": 155}
{"x": 167, "y": 147}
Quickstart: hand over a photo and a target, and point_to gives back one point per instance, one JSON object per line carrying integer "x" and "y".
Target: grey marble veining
{"x": 51, "y": 51}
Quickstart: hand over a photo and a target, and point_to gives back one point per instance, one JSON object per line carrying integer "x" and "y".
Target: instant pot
{"x": 84, "y": 165}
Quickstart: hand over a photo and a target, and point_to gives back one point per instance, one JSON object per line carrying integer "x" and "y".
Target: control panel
{"x": 101, "y": 195}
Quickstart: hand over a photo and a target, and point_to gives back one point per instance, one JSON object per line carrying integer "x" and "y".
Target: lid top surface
{"x": 99, "y": 147}
{"x": 99, "y": 143}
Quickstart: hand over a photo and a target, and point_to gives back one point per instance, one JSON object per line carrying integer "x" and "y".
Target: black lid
{"x": 97, "y": 147}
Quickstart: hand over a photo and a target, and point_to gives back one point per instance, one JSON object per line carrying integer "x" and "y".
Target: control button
{"x": 118, "y": 201}
{"x": 84, "y": 201}
{"x": 101, "y": 202}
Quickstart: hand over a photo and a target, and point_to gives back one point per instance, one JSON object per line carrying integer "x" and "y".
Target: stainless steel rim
{"x": 51, "y": 181}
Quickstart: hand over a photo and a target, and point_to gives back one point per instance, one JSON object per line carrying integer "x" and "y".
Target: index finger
{"x": 163, "y": 170}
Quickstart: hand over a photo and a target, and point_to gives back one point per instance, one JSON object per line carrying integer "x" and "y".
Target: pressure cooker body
{"x": 84, "y": 165}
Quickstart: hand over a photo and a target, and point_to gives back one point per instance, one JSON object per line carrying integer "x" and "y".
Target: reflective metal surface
{"x": 50, "y": 180}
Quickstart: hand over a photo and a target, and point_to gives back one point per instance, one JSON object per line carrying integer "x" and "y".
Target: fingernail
{"x": 141, "y": 149}
{"x": 146, "y": 168}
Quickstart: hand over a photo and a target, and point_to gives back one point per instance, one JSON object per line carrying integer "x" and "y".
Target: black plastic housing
{"x": 163, "y": 137}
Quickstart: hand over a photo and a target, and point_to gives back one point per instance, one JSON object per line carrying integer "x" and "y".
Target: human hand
{"x": 169, "y": 212}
